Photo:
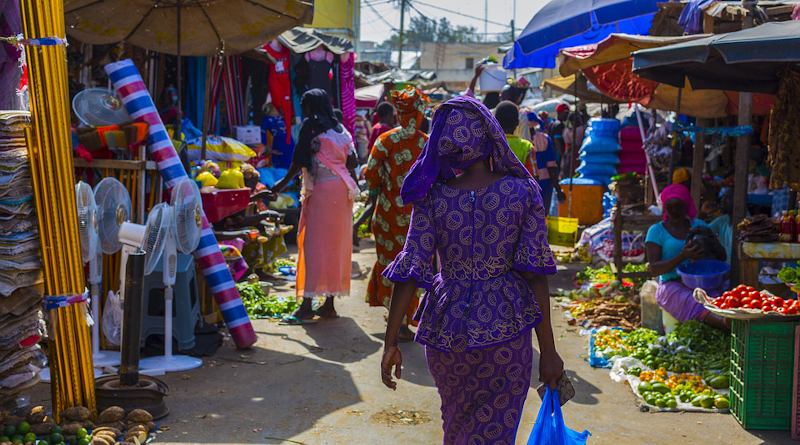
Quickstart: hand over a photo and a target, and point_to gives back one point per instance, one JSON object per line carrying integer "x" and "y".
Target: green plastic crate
{"x": 762, "y": 373}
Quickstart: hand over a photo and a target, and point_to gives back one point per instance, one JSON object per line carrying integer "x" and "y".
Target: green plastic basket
{"x": 762, "y": 373}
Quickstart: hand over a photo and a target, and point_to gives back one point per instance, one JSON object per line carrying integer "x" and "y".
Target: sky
{"x": 378, "y": 15}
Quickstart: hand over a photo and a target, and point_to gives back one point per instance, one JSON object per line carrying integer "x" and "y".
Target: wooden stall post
{"x": 741, "y": 159}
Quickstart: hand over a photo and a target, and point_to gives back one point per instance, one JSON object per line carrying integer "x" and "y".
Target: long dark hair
{"x": 319, "y": 118}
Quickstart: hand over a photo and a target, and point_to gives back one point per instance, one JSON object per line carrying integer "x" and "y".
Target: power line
{"x": 380, "y": 16}
{"x": 462, "y": 14}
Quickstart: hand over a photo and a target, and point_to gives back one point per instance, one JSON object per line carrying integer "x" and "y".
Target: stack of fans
{"x": 599, "y": 158}
{"x": 21, "y": 325}
{"x": 631, "y": 157}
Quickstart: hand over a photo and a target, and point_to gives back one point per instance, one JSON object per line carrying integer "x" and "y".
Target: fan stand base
{"x": 44, "y": 374}
{"x": 104, "y": 359}
{"x": 171, "y": 364}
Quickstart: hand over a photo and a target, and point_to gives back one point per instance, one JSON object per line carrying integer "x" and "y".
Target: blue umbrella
{"x": 568, "y": 23}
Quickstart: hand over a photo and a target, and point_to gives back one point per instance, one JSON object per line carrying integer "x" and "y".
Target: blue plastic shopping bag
{"x": 550, "y": 428}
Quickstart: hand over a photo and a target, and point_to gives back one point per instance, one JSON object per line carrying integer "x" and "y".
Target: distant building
{"x": 454, "y": 63}
{"x": 341, "y": 18}
{"x": 370, "y": 52}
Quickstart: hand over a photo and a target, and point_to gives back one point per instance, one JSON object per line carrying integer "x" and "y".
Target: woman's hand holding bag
{"x": 550, "y": 428}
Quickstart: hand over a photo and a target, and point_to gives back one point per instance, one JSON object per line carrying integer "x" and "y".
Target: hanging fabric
{"x": 225, "y": 77}
{"x": 348, "y": 91}
{"x": 280, "y": 84}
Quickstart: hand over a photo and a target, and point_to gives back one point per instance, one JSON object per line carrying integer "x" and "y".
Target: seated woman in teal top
{"x": 667, "y": 249}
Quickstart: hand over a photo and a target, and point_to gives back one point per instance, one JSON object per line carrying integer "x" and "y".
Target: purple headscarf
{"x": 463, "y": 132}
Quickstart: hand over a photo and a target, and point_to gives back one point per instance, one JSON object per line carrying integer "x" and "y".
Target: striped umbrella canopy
{"x": 185, "y": 27}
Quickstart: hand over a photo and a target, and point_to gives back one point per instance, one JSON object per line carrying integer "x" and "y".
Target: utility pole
{"x": 402, "y": 29}
{"x": 741, "y": 158}
{"x": 486, "y": 19}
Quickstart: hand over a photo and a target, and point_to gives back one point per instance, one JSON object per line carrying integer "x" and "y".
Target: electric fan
{"x": 113, "y": 211}
{"x": 185, "y": 217}
{"x": 149, "y": 238}
{"x": 98, "y": 107}
{"x": 91, "y": 253}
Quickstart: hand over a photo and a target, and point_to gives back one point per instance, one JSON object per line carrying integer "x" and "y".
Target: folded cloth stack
{"x": 21, "y": 323}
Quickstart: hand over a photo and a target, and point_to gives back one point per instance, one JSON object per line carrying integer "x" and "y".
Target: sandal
{"x": 326, "y": 313}
{"x": 294, "y": 321}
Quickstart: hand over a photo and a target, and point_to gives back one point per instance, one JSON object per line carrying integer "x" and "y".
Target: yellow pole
{"x": 50, "y": 152}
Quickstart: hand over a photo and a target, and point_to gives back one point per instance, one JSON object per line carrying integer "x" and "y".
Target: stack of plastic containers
{"x": 631, "y": 157}
{"x": 599, "y": 158}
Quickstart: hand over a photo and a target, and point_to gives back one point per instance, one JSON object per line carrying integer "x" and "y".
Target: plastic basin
{"x": 704, "y": 274}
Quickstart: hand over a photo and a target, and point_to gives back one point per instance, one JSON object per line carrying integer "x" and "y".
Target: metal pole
{"x": 180, "y": 78}
{"x": 574, "y": 143}
{"x": 132, "y": 327}
{"x": 486, "y": 19}
{"x": 402, "y": 29}
{"x": 741, "y": 158}
{"x": 698, "y": 164}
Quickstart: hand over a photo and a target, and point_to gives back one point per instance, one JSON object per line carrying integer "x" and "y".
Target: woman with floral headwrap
{"x": 667, "y": 249}
{"x": 389, "y": 162}
{"x": 486, "y": 226}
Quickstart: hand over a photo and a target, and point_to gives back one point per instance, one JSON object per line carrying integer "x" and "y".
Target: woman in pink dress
{"x": 326, "y": 156}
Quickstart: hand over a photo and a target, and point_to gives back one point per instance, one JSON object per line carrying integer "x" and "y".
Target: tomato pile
{"x": 746, "y": 297}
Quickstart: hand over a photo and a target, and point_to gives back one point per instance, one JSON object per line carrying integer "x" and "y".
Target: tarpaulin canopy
{"x": 586, "y": 91}
{"x": 613, "y": 48}
{"x": 367, "y": 97}
{"x": 206, "y": 27}
{"x": 395, "y": 75}
{"x": 302, "y": 40}
{"x": 608, "y": 67}
{"x": 567, "y": 23}
{"x": 749, "y": 60}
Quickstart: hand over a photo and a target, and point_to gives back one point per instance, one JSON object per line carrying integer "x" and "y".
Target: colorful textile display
{"x": 133, "y": 92}
{"x": 280, "y": 83}
{"x": 389, "y": 162}
{"x": 348, "y": 91}
{"x": 226, "y": 77}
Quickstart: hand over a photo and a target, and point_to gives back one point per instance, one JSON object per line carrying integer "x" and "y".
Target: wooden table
{"x": 750, "y": 254}
{"x": 620, "y": 223}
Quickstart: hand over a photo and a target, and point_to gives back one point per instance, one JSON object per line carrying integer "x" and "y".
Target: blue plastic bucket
{"x": 704, "y": 274}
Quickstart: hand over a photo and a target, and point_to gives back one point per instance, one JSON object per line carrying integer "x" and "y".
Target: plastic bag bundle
{"x": 112, "y": 319}
{"x": 550, "y": 428}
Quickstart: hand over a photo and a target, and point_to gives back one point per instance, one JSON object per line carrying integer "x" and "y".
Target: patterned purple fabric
{"x": 482, "y": 238}
{"x": 483, "y": 391}
{"x": 464, "y": 132}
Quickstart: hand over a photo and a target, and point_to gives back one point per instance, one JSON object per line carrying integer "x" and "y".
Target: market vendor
{"x": 667, "y": 249}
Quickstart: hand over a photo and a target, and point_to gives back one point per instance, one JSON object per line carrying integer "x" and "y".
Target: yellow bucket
{"x": 562, "y": 231}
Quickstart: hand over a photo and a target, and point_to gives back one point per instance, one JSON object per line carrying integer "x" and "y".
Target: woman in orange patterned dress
{"x": 389, "y": 162}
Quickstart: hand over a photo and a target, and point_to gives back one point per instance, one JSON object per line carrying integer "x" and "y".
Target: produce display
{"x": 789, "y": 276}
{"x": 113, "y": 426}
{"x": 259, "y": 305}
{"x": 746, "y": 297}
{"x": 610, "y": 303}
{"x": 758, "y": 229}
{"x": 604, "y": 312}
{"x": 685, "y": 370}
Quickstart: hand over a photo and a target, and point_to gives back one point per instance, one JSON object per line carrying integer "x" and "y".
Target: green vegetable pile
{"x": 635, "y": 268}
{"x": 789, "y": 275}
{"x": 259, "y": 305}
{"x": 692, "y": 347}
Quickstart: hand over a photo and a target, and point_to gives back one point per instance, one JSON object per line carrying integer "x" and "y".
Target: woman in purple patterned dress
{"x": 487, "y": 228}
